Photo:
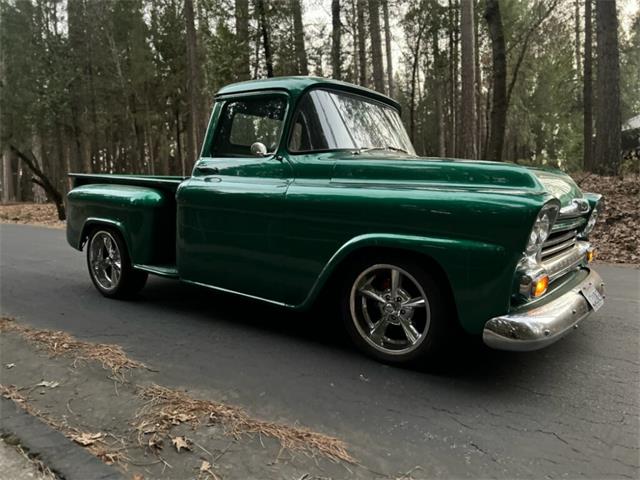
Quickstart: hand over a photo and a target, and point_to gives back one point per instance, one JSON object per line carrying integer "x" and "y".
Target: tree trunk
{"x": 7, "y": 176}
{"x": 77, "y": 41}
{"x": 376, "y": 45}
{"x": 480, "y": 124}
{"x": 53, "y": 194}
{"x": 362, "y": 54}
{"x": 499, "y": 62}
{"x": 336, "y": 35}
{"x": 354, "y": 43}
{"x": 387, "y": 44}
{"x": 298, "y": 38}
{"x": 242, "y": 37}
{"x": 414, "y": 81}
{"x": 437, "y": 70}
{"x": 468, "y": 138}
{"x": 195, "y": 125}
{"x": 577, "y": 36}
{"x": 452, "y": 84}
{"x": 266, "y": 42}
{"x": 587, "y": 90}
{"x": 456, "y": 76}
{"x": 608, "y": 116}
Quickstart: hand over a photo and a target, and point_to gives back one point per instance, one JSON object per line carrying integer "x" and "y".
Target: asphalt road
{"x": 569, "y": 410}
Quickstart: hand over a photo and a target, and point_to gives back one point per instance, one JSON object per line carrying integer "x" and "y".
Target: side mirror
{"x": 258, "y": 149}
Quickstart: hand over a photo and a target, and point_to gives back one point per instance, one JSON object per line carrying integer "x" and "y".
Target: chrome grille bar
{"x": 553, "y": 239}
{"x": 562, "y": 226}
{"x": 565, "y": 261}
{"x": 558, "y": 247}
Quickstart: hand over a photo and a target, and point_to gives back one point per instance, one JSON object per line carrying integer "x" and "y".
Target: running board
{"x": 170, "y": 271}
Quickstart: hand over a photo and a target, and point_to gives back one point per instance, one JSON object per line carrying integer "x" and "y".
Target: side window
{"x": 246, "y": 121}
{"x": 318, "y": 125}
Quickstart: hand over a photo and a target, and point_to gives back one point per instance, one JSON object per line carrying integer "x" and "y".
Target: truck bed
{"x": 141, "y": 207}
{"x": 162, "y": 182}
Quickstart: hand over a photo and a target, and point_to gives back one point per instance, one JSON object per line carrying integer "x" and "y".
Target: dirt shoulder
{"x": 43, "y": 214}
{"x": 617, "y": 233}
{"x": 117, "y": 409}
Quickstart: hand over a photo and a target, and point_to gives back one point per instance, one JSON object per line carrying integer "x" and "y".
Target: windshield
{"x": 333, "y": 121}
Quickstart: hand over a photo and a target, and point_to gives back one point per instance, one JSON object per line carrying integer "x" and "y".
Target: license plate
{"x": 593, "y": 296}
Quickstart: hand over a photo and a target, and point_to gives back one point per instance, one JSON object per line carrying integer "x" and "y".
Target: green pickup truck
{"x": 309, "y": 191}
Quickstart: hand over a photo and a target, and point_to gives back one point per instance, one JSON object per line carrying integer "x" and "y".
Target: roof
{"x": 295, "y": 86}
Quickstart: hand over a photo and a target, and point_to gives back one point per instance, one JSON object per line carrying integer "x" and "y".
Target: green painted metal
{"x": 296, "y": 86}
{"x": 558, "y": 183}
{"x": 277, "y": 228}
{"x": 139, "y": 213}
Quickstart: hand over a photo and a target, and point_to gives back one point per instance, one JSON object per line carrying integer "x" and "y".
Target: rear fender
{"x": 134, "y": 211}
{"x": 96, "y": 223}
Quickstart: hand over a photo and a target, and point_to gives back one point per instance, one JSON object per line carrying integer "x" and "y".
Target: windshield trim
{"x": 338, "y": 92}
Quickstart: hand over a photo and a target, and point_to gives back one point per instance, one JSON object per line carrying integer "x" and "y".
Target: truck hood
{"x": 558, "y": 184}
{"x": 382, "y": 170}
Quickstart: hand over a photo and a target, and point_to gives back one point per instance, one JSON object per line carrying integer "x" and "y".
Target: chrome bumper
{"x": 543, "y": 325}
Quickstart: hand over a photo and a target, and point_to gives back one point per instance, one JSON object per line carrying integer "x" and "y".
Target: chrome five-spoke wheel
{"x": 105, "y": 260}
{"x": 109, "y": 265}
{"x": 396, "y": 308}
{"x": 389, "y": 309}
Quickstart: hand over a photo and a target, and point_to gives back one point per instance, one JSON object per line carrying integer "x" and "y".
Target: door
{"x": 231, "y": 211}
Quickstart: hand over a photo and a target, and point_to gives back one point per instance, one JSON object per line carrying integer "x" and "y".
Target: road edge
{"x": 65, "y": 458}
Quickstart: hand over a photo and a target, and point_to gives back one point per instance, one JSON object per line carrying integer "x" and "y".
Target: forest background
{"x": 126, "y": 86}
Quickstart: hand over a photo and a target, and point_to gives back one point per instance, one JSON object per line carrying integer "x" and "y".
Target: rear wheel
{"x": 110, "y": 267}
{"x": 394, "y": 310}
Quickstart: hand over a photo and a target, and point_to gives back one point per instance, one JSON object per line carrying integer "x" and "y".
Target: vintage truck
{"x": 310, "y": 189}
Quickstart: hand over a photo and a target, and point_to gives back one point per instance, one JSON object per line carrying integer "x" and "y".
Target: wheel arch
{"x": 376, "y": 245}
{"x": 426, "y": 261}
{"x": 470, "y": 272}
{"x": 92, "y": 224}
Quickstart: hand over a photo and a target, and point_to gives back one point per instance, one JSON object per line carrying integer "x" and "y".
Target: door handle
{"x": 203, "y": 170}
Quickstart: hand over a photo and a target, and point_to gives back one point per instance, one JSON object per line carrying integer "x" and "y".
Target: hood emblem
{"x": 577, "y": 207}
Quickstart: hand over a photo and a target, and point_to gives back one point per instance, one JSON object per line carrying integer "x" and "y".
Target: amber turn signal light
{"x": 591, "y": 254}
{"x": 540, "y": 286}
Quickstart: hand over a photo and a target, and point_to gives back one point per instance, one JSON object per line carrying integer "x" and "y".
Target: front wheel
{"x": 109, "y": 265}
{"x": 394, "y": 311}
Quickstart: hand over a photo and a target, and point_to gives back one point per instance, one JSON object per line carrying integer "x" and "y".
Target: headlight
{"x": 593, "y": 218}
{"x": 541, "y": 228}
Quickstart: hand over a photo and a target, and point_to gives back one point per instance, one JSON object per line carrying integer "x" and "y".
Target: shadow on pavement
{"x": 468, "y": 358}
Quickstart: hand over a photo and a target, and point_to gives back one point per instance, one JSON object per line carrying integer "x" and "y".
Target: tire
{"x": 394, "y": 310}
{"x": 109, "y": 265}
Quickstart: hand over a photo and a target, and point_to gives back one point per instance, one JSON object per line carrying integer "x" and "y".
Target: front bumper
{"x": 542, "y": 325}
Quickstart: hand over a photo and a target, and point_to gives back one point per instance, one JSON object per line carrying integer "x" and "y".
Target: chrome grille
{"x": 558, "y": 242}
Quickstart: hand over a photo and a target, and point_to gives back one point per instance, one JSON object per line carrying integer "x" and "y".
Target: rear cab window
{"x": 246, "y": 120}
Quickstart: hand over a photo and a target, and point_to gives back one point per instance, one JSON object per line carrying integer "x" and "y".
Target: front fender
{"x": 479, "y": 274}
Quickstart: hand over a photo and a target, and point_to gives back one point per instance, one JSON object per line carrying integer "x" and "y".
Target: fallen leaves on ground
{"x": 181, "y": 443}
{"x": 616, "y": 236}
{"x": 86, "y": 438}
{"x": 31, "y": 213}
{"x": 48, "y": 384}
{"x": 112, "y": 357}
{"x": 206, "y": 471}
{"x": 155, "y": 443}
{"x": 95, "y": 443}
{"x": 165, "y": 406}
